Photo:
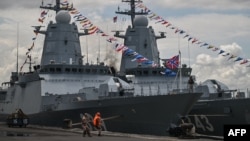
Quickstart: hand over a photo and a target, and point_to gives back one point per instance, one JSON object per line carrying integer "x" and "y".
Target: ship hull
{"x": 141, "y": 114}
{"x": 210, "y": 116}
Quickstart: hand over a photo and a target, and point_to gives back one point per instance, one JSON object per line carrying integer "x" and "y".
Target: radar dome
{"x": 141, "y": 21}
{"x": 63, "y": 17}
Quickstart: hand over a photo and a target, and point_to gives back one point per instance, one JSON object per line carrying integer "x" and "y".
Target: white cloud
{"x": 205, "y": 4}
{"x": 222, "y": 68}
{"x": 214, "y": 27}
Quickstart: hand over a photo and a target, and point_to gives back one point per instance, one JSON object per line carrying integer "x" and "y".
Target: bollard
{"x": 67, "y": 123}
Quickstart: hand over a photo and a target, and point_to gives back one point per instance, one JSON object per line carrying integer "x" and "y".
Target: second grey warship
{"x": 62, "y": 86}
{"x": 218, "y": 106}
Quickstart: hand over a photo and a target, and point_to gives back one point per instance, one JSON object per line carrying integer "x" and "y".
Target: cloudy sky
{"x": 222, "y": 23}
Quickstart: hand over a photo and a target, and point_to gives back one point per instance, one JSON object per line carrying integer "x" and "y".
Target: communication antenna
{"x": 87, "y": 50}
{"x": 188, "y": 55}
{"x": 98, "y": 53}
{"x": 180, "y": 66}
{"x": 132, "y": 11}
{"x": 17, "y": 44}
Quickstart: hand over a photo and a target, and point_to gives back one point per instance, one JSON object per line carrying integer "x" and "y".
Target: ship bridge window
{"x": 94, "y": 70}
{"x": 139, "y": 72}
{"x": 154, "y": 72}
{"x": 101, "y": 71}
{"x": 87, "y": 70}
{"x": 67, "y": 69}
{"x": 74, "y": 70}
{"x": 58, "y": 69}
{"x": 132, "y": 72}
{"x": 145, "y": 72}
{"x": 52, "y": 69}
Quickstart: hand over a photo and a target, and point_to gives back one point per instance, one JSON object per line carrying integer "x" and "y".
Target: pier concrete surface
{"x": 41, "y": 133}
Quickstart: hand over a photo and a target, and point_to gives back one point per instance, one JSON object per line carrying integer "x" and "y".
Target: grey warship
{"x": 62, "y": 86}
{"x": 219, "y": 106}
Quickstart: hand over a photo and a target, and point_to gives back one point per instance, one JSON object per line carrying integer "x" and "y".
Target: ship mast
{"x": 57, "y": 7}
{"x": 17, "y": 44}
{"x": 132, "y": 12}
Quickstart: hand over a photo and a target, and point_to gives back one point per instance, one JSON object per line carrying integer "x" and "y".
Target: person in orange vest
{"x": 97, "y": 121}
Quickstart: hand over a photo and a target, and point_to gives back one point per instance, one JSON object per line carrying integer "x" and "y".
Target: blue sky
{"x": 223, "y": 23}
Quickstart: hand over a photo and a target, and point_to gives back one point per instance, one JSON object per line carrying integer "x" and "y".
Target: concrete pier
{"x": 36, "y": 133}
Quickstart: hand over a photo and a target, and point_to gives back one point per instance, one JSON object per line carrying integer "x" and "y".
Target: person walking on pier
{"x": 85, "y": 127}
{"x": 97, "y": 121}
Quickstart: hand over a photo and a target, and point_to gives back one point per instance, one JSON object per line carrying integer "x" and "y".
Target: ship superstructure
{"x": 148, "y": 79}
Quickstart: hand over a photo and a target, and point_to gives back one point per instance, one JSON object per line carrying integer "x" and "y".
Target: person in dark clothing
{"x": 191, "y": 84}
{"x": 85, "y": 127}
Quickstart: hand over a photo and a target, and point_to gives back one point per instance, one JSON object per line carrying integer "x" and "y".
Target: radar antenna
{"x": 57, "y": 7}
{"x": 132, "y": 11}
{"x": 162, "y": 35}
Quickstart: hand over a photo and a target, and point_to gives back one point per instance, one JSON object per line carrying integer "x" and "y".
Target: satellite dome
{"x": 63, "y": 17}
{"x": 141, "y": 21}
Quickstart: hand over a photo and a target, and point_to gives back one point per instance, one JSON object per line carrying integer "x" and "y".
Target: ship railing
{"x": 242, "y": 93}
{"x": 228, "y": 94}
{"x": 5, "y": 85}
{"x": 115, "y": 96}
{"x": 239, "y": 93}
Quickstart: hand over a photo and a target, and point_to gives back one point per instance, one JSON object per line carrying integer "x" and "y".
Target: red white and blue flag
{"x": 173, "y": 62}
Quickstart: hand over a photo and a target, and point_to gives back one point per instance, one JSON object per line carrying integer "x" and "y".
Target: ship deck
{"x": 33, "y": 132}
